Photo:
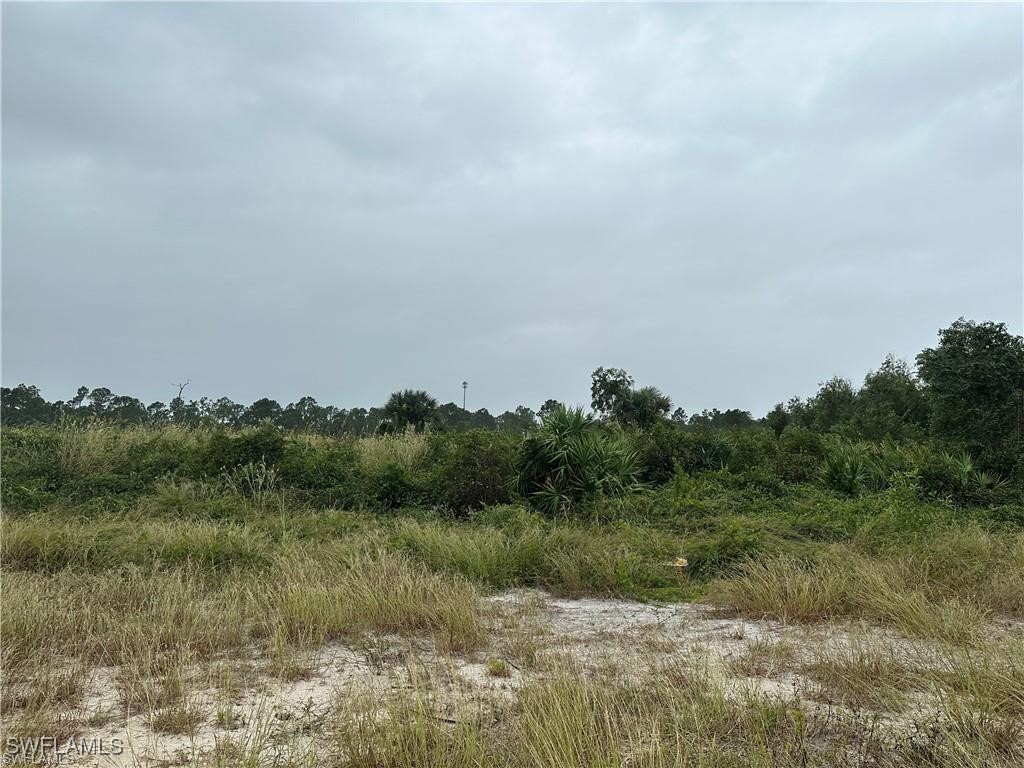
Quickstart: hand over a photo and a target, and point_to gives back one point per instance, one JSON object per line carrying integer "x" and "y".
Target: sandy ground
{"x": 238, "y": 700}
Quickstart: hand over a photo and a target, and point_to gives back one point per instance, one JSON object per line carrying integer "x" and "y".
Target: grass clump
{"x": 408, "y": 732}
{"x": 318, "y": 597}
{"x": 841, "y": 583}
{"x": 861, "y": 673}
{"x": 497, "y": 667}
{"x": 989, "y": 676}
{"x": 180, "y": 719}
{"x": 405, "y": 449}
{"x": 764, "y": 659}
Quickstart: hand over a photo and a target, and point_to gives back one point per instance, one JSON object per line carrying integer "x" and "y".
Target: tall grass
{"x": 41, "y": 543}
{"x": 916, "y": 595}
{"x": 405, "y": 449}
{"x": 95, "y": 447}
{"x": 401, "y": 731}
{"x": 654, "y": 721}
{"x": 317, "y": 597}
{"x": 130, "y": 616}
{"x": 569, "y": 559}
{"x": 861, "y": 673}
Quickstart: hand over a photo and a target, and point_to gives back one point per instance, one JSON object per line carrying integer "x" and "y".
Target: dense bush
{"x": 325, "y": 474}
{"x": 708, "y": 449}
{"x": 392, "y": 485}
{"x": 800, "y": 452}
{"x": 845, "y": 468}
{"x": 752, "y": 448}
{"x": 148, "y": 485}
{"x": 975, "y": 389}
{"x": 573, "y": 460}
{"x": 668, "y": 447}
{"x": 31, "y": 471}
{"x": 796, "y": 440}
{"x": 225, "y": 451}
{"x": 156, "y": 457}
{"x": 954, "y": 476}
{"x": 572, "y": 464}
{"x": 659, "y": 449}
{"x": 474, "y": 469}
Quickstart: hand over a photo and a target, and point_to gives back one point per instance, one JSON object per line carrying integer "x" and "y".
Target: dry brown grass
{"x": 842, "y": 584}
{"x": 764, "y": 658}
{"x": 181, "y": 718}
{"x": 120, "y": 616}
{"x": 316, "y": 598}
{"x": 861, "y": 673}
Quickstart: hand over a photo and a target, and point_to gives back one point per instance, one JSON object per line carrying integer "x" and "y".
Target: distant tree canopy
{"x": 614, "y": 398}
{"x": 974, "y": 385}
{"x": 549, "y": 407}
{"x": 24, "y": 405}
{"x": 717, "y": 419}
{"x": 967, "y": 391}
{"x": 409, "y": 408}
{"x": 891, "y": 403}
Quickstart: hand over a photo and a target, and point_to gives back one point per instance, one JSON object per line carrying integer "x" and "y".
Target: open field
{"x": 238, "y": 617}
{"x": 316, "y": 450}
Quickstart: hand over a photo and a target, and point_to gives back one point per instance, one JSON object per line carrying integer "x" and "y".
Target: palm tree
{"x": 643, "y": 407}
{"x": 410, "y": 407}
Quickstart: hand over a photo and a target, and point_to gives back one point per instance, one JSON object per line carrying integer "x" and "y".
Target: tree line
{"x": 967, "y": 390}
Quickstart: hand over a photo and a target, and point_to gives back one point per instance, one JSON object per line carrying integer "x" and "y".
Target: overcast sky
{"x": 733, "y": 203}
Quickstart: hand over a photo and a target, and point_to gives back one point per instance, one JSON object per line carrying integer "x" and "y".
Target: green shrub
{"x": 845, "y": 468}
{"x": 161, "y": 455}
{"x": 659, "y": 449}
{"x": 708, "y": 449}
{"x": 104, "y": 484}
{"x": 391, "y": 485}
{"x": 802, "y": 441}
{"x": 326, "y": 475}
{"x": 572, "y": 460}
{"x": 29, "y": 466}
{"x": 954, "y": 476}
{"x": 888, "y": 462}
{"x": 752, "y": 449}
{"x": 729, "y": 541}
{"x": 667, "y": 448}
{"x": 796, "y": 467}
{"x": 474, "y": 469}
{"x": 758, "y": 480}
{"x": 225, "y": 451}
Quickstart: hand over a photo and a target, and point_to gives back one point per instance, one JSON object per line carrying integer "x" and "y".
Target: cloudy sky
{"x": 732, "y": 202}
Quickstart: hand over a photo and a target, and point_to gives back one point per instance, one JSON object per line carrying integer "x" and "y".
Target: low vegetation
{"x": 156, "y": 549}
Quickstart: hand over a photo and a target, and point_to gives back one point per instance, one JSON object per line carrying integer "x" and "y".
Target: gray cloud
{"x": 732, "y": 202}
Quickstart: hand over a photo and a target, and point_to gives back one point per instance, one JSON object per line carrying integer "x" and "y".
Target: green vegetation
{"x": 204, "y": 541}
{"x": 571, "y": 462}
{"x": 94, "y": 498}
{"x": 967, "y": 394}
